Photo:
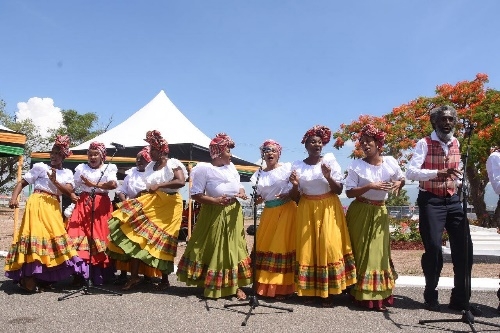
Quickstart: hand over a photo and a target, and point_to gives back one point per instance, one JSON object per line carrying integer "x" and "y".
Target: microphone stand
{"x": 253, "y": 301}
{"x": 467, "y": 316}
{"x": 88, "y": 281}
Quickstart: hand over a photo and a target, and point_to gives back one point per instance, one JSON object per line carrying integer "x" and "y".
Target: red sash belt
{"x": 371, "y": 202}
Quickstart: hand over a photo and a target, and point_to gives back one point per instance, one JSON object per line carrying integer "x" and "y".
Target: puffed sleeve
{"x": 78, "y": 174}
{"x": 336, "y": 171}
{"x": 178, "y": 164}
{"x": 66, "y": 177}
{"x": 493, "y": 170}
{"x": 111, "y": 172}
{"x": 352, "y": 179}
{"x": 35, "y": 172}
{"x": 253, "y": 179}
{"x": 236, "y": 174}
{"x": 394, "y": 165}
{"x": 199, "y": 179}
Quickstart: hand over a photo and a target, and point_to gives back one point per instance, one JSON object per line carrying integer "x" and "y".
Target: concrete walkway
{"x": 447, "y": 282}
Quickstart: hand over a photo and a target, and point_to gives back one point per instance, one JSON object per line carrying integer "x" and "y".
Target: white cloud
{"x": 42, "y": 112}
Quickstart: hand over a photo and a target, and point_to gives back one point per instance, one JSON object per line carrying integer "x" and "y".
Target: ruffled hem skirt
{"x": 147, "y": 228}
{"x": 42, "y": 248}
{"x": 325, "y": 262}
{"x": 370, "y": 238}
{"x": 80, "y": 232}
{"x": 275, "y": 250}
{"x": 216, "y": 256}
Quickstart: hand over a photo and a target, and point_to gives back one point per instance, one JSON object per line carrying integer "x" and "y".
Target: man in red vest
{"x": 436, "y": 166}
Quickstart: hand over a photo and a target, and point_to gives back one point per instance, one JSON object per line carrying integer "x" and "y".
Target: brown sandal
{"x": 131, "y": 284}
{"x": 28, "y": 285}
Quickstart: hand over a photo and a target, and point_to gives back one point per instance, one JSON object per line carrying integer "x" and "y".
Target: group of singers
{"x": 305, "y": 244}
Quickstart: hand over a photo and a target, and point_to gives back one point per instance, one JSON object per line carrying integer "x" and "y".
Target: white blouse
{"x": 165, "y": 174}
{"x": 361, "y": 173}
{"x": 215, "y": 181}
{"x": 311, "y": 179}
{"x": 493, "y": 169}
{"x": 274, "y": 182}
{"x": 134, "y": 182}
{"x": 38, "y": 176}
{"x": 107, "y": 170}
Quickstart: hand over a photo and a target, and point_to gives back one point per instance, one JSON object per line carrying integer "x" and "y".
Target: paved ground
{"x": 182, "y": 309}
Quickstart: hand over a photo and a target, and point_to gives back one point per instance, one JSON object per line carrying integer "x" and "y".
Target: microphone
{"x": 117, "y": 146}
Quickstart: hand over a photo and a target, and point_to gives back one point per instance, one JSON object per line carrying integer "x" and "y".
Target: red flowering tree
{"x": 406, "y": 124}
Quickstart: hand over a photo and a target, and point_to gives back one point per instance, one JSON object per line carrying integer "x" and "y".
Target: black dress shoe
{"x": 432, "y": 306}
{"x": 474, "y": 310}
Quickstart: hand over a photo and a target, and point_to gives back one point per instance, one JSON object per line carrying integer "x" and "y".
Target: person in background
{"x": 275, "y": 238}
{"x": 493, "y": 169}
{"x": 93, "y": 181}
{"x": 435, "y": 165}
{"x": 216, "y": 257}
{"x": 41, "y": 252}
{"x": 369, "y": 180}
{"x": 145, "y": 229}
{"x": 325, "y": 262}
{"x": 133, "y": 186}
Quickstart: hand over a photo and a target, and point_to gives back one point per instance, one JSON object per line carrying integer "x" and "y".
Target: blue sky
{"x": 254, "y": 69}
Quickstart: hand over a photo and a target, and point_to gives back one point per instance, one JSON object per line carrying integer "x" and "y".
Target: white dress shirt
{"x": 414, "y": 170}
{"x": 493, "y": 169}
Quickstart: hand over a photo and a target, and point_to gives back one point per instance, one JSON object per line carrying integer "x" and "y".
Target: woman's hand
{"x": 87, "y": 182}
{"x": 241, "y": 195}
{"x": 259, "y": 200}
{"x": 396, "y": 186}
{"x": 326, "y": 170}
{"x": 52, "y": 175}
{"x": 294, "y": 178}
{"x": 153, "y": 188}
{"x": 74, "y": 197}
{"x": 13, "y": 203}
{"x": 382, "y": 186}
{"x": 222, "y": 200}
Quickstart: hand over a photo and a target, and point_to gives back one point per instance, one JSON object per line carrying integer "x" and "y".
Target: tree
{"x": 406, "y": 124}
{"x": 8, "y": 165}
{"x": 79, "y": 127}
{"x": 398, "y": 200}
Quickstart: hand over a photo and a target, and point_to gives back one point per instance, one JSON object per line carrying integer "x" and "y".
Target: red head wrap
{"x": 372, "y": 131}
{"x": 322, "y": 131}
{"x": 156, "y": 141}
{"x": 268, "y": 143}
{"x": 219, "y": 143}
{"x": 63, "y": 142}
{"x": 145, "y": 154}
{"x": 99, "y": 146}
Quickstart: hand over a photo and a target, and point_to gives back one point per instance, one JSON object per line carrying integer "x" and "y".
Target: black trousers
{"x": 436, "y": 214}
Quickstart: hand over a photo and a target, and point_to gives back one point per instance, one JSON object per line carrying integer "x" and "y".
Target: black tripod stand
{"x": 467, "y": 316}
{"x": 253, "y": 301}
{"x": 88, "y": 281}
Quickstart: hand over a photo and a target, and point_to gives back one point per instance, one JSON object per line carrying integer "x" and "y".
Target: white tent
{"x": 159, "y": 114}
{"x": 162, "y": 115}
